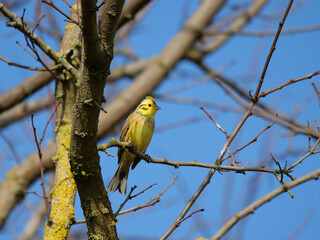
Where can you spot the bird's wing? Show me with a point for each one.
(123, 137)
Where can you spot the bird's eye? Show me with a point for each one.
(149, 105)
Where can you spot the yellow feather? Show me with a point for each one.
(137, 129)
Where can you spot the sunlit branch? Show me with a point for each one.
(151, 201)
(22, 66)
(130, 196)
(310, 152)
(221, 168)
(265, 93)
(266, 198)
(17, 23)
(217, 125)
(242, 121)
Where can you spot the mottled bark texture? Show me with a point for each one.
(64, 189)
(96, 58)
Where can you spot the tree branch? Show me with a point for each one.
(64, 190)
(266, 198)
(130, 9)
(24, 89)
(273, 47)
(206, 181)
(221, 168)
(17, 23)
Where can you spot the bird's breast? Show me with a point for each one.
(142, 132)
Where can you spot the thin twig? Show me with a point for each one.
(217, 125)
(255, 97)
(129, 197)
(250, 142)
(310, 152)
(190, 215)
(22, 27)
(75, 11)
(50, 3)
(151, 202)
(309, 138)
(35, 193)
(37, 24)
(33, 47)
(26, 50)
(263, 110)
(266, 198)
(38, 58)
(234, 162)
(41, 169)
(265, 93)
(244, 118)
(144, 190)
(45, 128)
(317, 91)
(281, 171)
(21, 66)
(125, 201)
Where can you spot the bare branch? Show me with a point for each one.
(51, 3)
(263, 94)
(130, 9)
(251, 141)
(317, 91)
(129, 197)
(281, 173)
(22, 66)
(217, 125)
(273, 47)
(22, 27)
(23, 110)
(133, 149)
(260, 108)
(41, 169)
(51, 116)
(310, 152)
(266, 198)
(190, 215)
(206, 181)
(19, 178)
(24, 89)
(151, 201)
(236, 25)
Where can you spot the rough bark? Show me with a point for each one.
(97, 55)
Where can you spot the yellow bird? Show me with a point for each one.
(137, 129)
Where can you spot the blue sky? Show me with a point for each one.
(242, 57)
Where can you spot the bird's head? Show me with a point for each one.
(148, 107)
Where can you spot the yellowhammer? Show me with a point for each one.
(137, 129)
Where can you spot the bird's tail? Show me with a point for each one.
(119, 181)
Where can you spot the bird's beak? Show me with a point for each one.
(157, 107)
